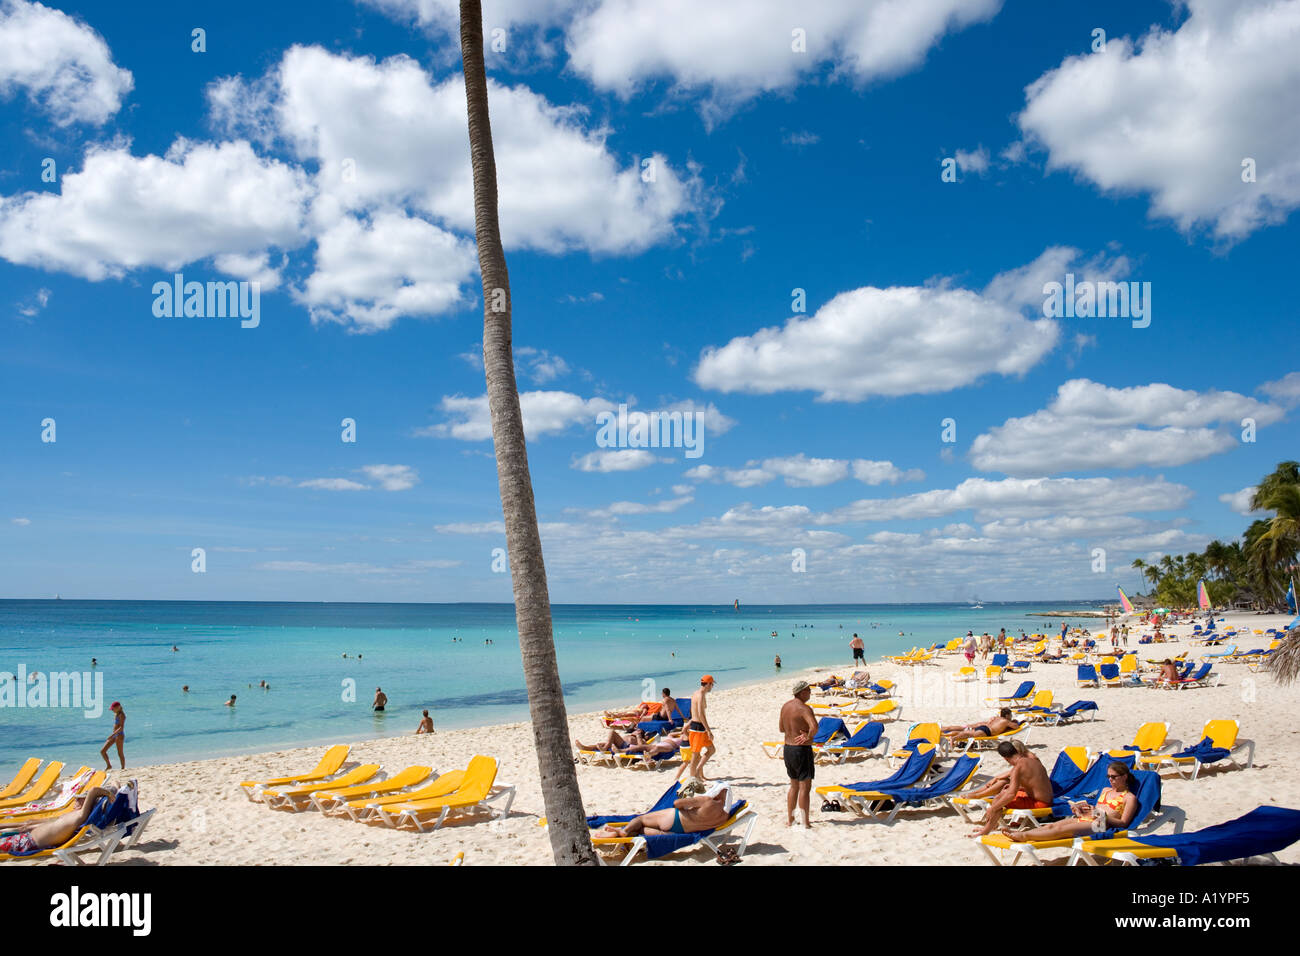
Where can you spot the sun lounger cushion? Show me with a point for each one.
(1262, 830)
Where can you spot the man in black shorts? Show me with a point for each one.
(799, 727)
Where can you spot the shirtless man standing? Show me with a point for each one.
(701, 734)
(1026, 787)
(858, 648)
(799, 725)
(689, 815)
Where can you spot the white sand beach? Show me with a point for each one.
(203, 818)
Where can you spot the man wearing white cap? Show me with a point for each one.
(799, 725)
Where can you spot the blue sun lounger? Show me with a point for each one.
(873, 805)
(656, 846)
(1069, 714)
(909, 774)
(1148, 799)
(869, 739)
(1086, 676)
(1261, 832)
(655, 727)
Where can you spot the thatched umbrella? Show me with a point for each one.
(1284, 663)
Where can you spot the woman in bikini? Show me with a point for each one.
(1116, 807)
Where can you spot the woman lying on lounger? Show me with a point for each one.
(635, 743)
(26, 838)
(992, 728)
(1116, 807)
(688, 815)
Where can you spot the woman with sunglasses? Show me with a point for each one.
(1116, 807)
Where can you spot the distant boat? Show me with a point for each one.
(57, 598)
(737, 605)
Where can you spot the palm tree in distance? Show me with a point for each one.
(570, 838)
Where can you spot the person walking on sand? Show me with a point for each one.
(118, 736)
(426, 725)
(858, 649)
(798, 724)
(700, 733)
(381, 701)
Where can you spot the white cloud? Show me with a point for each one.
(1020, 498)
(22, 522)
(122, 212)
(1239, 501)
(538, 365)
(372, 273)
(683, 489)
(470, 527)
(800, 471)
(64, 66)
(879, 472)
(31, 306)
(1022, 287)
(544, 413)
(895, 341)
(392, 477)
(975, 162)
(620, 509)
(623, 459)
(1090, 426)
(1175, 115)
(735, 50)
(1285, 390)
(332, 484)
(385, 134)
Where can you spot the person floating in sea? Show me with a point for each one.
(185, 688)
(94, 662)
(231, 702)
(118, 736)
(426, 725)
(381, 701)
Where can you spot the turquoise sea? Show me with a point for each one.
(423, 655)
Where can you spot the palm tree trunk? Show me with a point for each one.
(570, 838)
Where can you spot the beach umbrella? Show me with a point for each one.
(1285, 661)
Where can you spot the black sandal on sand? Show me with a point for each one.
(728, 857)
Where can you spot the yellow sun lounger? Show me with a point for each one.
(1222, 734)
(964, 674)
(1151, 738)
(329, 765)
(929, 732)
(38, 789)
(299, 797)
(329, 801)
(477, 793)
(885, 710)
(982, 743)
(21, 779)
(366, 808)
(83, 780)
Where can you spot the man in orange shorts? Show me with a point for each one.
(1025, 787)
(699, 731)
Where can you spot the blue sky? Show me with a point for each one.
(668, 179)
